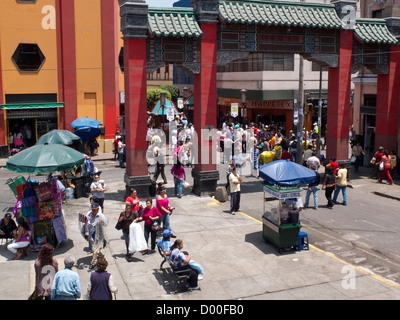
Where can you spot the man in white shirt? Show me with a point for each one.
(235, 180)
(313, 161)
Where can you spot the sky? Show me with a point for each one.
(160, 3)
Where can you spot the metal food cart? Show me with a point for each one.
(281, 223)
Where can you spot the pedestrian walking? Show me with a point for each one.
(160, 163)
(178, 171)
(386, 167)
(358, 152)
(94, 217)
(134, 200)
(151, 217)
(162, 203)
(66, 284)
(126, 218)
(46, 268)
(101, 283)
(97, 188)
(235, 179)
(313, 189)
(375, 161)
(341, 184)
(329, 185)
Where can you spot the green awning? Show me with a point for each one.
(374, 31)
(32, 106)
(280, 13)
(173, 22)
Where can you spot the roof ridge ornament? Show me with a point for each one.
(134, 18)
(206, 11)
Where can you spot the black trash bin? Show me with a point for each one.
(79, 187)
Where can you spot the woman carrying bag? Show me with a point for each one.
(125, 219)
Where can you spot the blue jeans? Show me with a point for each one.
(235, 201)
(178, 184)
(314, 191)
(165, 221)
(344, 191)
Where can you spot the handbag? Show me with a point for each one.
(373, 160)
(154, 225)
(118, 226)
(353, 159)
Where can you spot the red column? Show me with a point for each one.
(66, 62)
(110, 9)
(387, 104)
(135, 107)
(205, 97)
(338, 118)
(3, 138)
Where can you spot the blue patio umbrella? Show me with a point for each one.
(85, 122)
(158, 110)
(87, 133)
(286, 173)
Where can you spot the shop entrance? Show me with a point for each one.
(32, 123)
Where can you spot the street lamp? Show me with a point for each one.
(244, 105)
(185, 96)
(162, 101)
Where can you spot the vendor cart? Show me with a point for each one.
(282, 194)
(281, 223)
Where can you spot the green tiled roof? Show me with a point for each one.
(374, 31)
(280, 13)
(174, 22)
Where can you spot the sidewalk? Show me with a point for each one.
(238, 264)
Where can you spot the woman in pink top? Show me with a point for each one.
(386, 167)
(164, 208)
(22, 239)
(151, 216)
(178, 171)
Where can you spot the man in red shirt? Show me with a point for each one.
(333, 164)
(286, 155)
(378, 158)
(116, 153)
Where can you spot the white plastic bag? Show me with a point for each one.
(186, 184)
(381, 166)
(137, 241)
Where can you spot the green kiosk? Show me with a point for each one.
(281, 223)
(281, 201)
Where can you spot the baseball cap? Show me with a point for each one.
(94, 205)
(167, 233)
(7, 215)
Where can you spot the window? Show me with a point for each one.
(261, 62)
(315, 67)
(28, 57)
(278, 62)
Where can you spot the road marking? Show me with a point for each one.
(394, 285)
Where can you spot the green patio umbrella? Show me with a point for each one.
(45, 158)
(64, 137)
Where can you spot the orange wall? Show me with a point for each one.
(22, 23)
(89, 59)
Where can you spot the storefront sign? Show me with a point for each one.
(234, 109)
(262, 104)
(180, 103)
